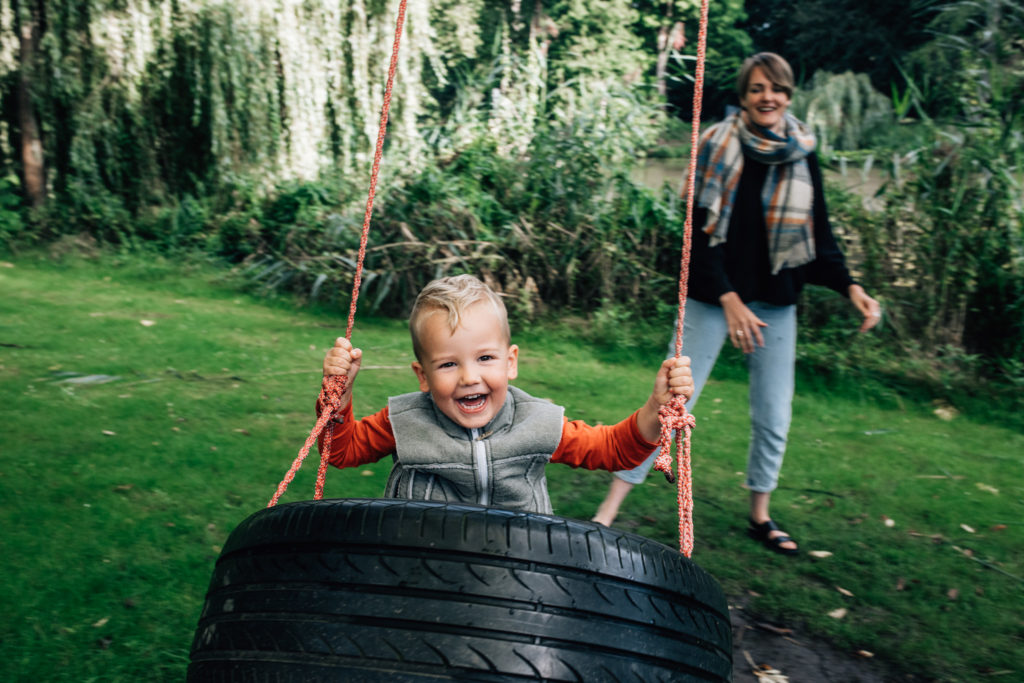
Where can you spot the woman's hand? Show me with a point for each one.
(744, 326)
(868, 307)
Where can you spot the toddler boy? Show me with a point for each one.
(467, 436)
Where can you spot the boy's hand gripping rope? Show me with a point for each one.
(334, 387)
(673, 415)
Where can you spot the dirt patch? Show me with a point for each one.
(768, 653)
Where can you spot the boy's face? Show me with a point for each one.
(466, 371)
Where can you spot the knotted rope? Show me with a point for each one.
(333, 387)
(673, 415)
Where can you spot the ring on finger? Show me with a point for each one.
(739, 333)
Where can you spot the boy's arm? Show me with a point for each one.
(358, 442)
(628, 443)
(353, 442)
(673, 379)
(602, 447)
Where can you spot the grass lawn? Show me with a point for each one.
(149, 408)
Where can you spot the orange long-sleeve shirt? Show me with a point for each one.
(604, 447)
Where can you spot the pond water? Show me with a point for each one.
(655, 172)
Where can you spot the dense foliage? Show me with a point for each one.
(246, 130)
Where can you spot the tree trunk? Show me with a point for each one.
(29, 23)
(671, 37)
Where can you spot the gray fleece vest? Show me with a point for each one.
(500, 465)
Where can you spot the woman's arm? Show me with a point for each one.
(829, 265)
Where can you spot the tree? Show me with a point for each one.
(29, 17)
(727, 46)
(863, 36)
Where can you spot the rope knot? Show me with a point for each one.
(331, 391)
(673, 417)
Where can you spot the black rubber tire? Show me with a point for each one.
(399, 590)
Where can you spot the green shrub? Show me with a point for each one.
(12, 223)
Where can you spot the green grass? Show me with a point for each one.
(116, 497)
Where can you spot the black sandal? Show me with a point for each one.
(762, 532)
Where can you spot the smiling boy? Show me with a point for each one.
(467, 435)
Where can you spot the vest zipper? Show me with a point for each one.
(482, 475)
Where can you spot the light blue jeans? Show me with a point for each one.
(771, 383)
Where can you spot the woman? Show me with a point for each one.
(761, 232)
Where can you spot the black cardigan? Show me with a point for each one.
(741, 263)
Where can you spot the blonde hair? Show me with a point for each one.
(455, 295)
(775, 67)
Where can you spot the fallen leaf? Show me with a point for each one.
(953, 593)
(843, 591)
(998, 527)
(244, 432)
(966, 528)
(107, 432)
(887, 521)
(985, 487)
(147, 323)
(101, 623)
(838, 613)
(763, 672)
(367, 473)
(945, 413)
(820, 554)
(124, 487)
(90, 379)
(901, 584)
(865, 654)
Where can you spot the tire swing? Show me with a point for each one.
(409, 591)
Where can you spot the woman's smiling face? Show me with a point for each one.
(765, 103)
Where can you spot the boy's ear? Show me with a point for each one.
(513, 362)
(421, 375)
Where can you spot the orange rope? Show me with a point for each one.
(334, 387)
(673, 415)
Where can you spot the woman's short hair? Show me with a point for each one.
(774, 67)
(454, 295)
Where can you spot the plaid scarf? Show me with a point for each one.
(787, 196)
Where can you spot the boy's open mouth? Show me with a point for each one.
(473, 403)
